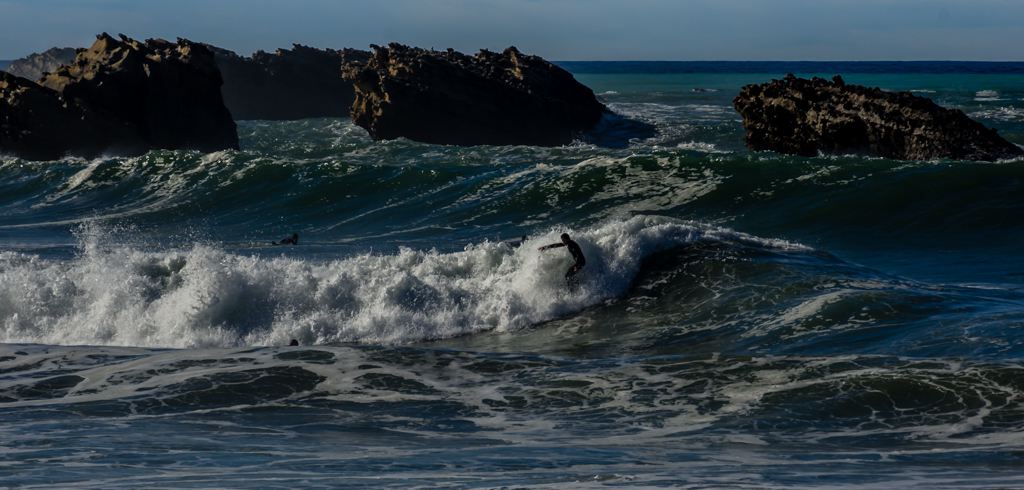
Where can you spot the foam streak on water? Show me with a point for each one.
(411, 413)
(745, 319)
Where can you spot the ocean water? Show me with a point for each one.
(745, 320)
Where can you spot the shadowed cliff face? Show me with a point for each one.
(296, 83)
(446, 97)
(37, 124)
(170, 92)
(118, 97)
(807, 117)
(35, 65)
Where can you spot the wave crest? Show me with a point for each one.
(205, 296)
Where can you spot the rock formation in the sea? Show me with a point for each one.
(446, 97)
(169, 93)
(808, 117)
(37, 124)
(35, 65)
(296, 83)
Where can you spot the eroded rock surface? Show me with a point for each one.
(35, 65)
(808, 117)
(169, 93)
(297, 83)
(446, 97)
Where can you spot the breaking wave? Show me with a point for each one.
(203, 296)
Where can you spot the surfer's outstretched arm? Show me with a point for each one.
(553, 245)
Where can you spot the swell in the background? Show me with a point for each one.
(395, 195)
(182, 258)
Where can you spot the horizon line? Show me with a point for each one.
(743, 61)
(791, 61)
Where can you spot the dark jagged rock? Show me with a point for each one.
(446, 97)
(808, 117)
(35, 65)
(299, 83)
(120, 97)
(37, 124)
(169, 93)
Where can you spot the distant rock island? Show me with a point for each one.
(447, 97)
(122, 96)
(297, 83)
(35, 65)
(808, 117)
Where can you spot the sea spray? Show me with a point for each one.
(118, 294)
(888, 356)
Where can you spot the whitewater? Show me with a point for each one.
(205, 297)
(745, 320)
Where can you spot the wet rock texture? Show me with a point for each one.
(297, 83)
(168, 93)
(808, 117)
(446, 97)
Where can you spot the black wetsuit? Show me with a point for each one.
(577, 255)
(292, 240)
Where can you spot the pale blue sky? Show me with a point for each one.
(556, 29)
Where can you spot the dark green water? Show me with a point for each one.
(744, 320)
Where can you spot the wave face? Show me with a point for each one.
(204, 296)
(744, 319)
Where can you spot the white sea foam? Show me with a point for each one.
(635, 408)
(675, 113)
(987, 96)
(204, 296)
(700, 146)
(1004, 113)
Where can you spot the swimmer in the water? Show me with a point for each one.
(292, 240)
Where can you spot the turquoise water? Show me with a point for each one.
(745, 319)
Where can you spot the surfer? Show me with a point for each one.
(292, 240)
(575, 251)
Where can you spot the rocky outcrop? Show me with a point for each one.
(808, 117)
(168, 93)
(35, 65)
(446, 97)
(118, 97)
(296, 83)
(37, 124)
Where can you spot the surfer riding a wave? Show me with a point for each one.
(577, 255)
